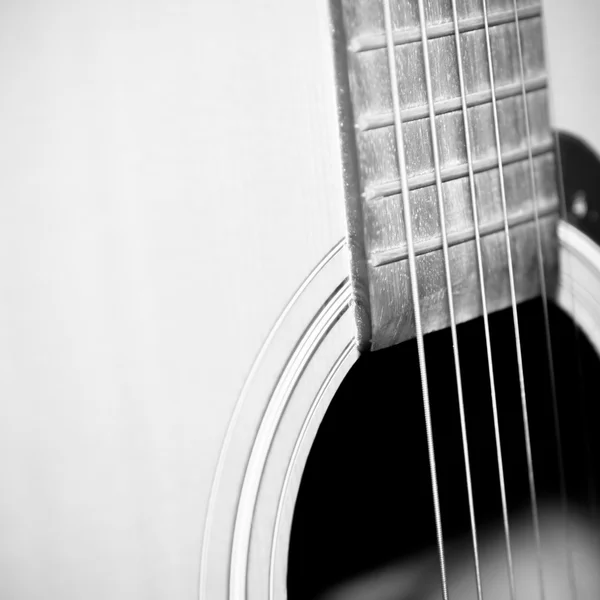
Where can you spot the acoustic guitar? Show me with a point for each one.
(293, 291)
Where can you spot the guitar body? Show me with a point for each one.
(176, 294)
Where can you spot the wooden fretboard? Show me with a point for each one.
(374, 203)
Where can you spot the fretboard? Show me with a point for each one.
(376, 221)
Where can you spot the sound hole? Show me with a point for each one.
(365, 495)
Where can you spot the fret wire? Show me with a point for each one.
(442, 214)
(369, 41)
(414, 289)
(372, 121)
(514, 305)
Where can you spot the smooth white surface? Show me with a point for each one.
(170, 175)
(573, 48)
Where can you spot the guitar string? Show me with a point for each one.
(486, 326)
(562, 198)
(562, 194)
(581, 387)
(581, 391)
(446, 255)
(414, 288)
(544, 295)
(564, 500)
(512, 295)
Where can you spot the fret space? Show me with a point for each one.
(371, 86)
(519, 89)
(365, 42)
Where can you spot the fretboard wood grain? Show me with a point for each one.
(376, 208)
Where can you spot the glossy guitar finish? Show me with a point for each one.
(172, 234)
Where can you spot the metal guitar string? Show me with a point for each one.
(513, 301)
(592, 493)
(486, 325)
(544, 294)
(562, 478)
(564, 213)
(414, 287)
(442, 215)
(562, 200)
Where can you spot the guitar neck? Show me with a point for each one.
(475, 160)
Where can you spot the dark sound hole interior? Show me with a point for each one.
(365, 496)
